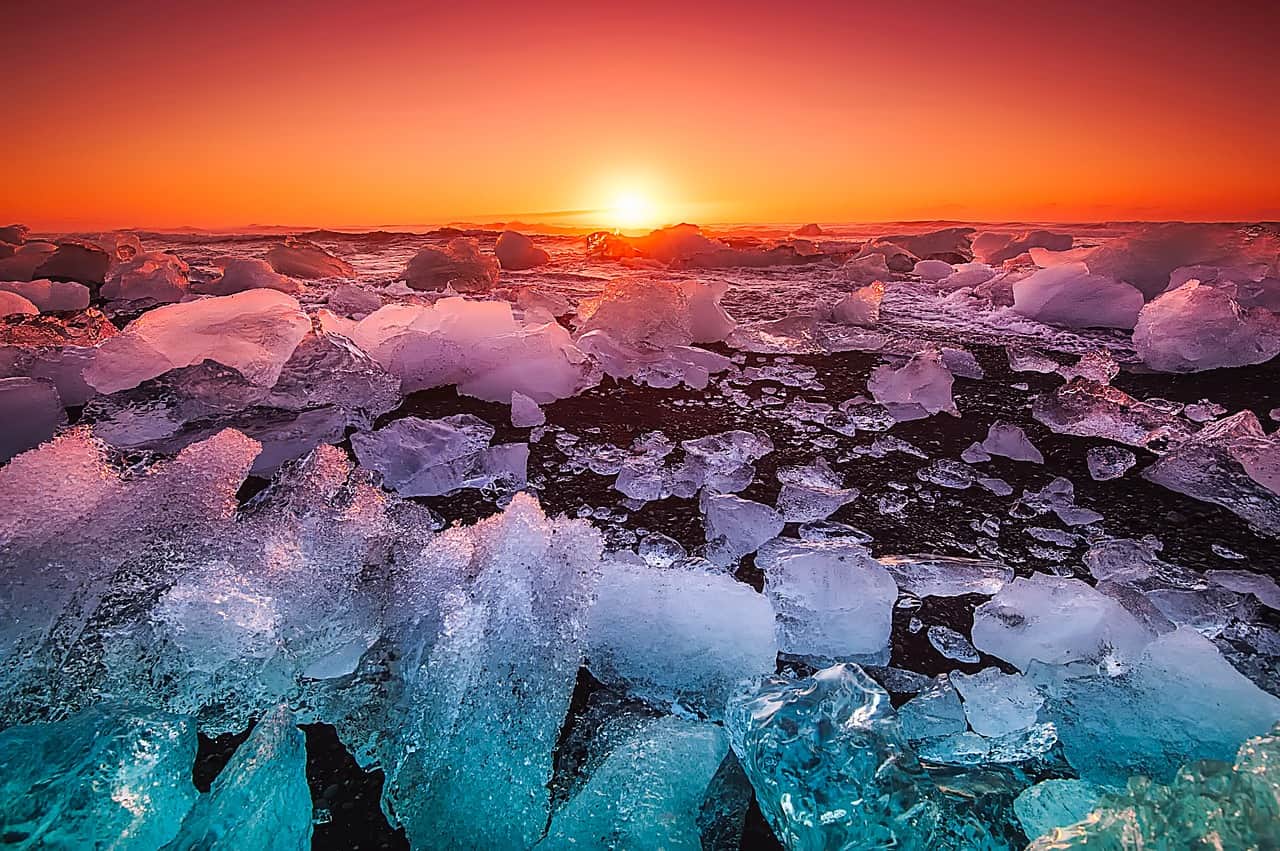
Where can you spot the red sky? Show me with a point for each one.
(328, 113)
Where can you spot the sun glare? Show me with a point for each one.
(631, 210)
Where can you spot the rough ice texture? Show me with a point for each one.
(418, 457)
(996, 248)
(253, 332)
(1069, 295)
(929, 575)
(1109, 462)
(1214, 466)
(76, 260)
(300, 258)
(1052, 804)
(860, 307)
(833, 600)
(1088, 409)
(918, 388)
(49, 295)
(481, 346)
(459, 266)
(515, 251)
(1198, 327)
(1177, 700)
(737, 526)
(812, 492)
(31, 412)
(353, 301)
(1215, 804)
(245, 273)
(679, 636)
(114, 776)
(260, 801)
(525, 412)
(997, 704)
(150, 277)
(648, 794)
(1055, 620)
(475, 754)
(1010, 441)
(656, 313)
(12, 303)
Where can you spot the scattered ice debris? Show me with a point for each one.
(678, 636)
(418, 457)
(916, 389)
(1224, 464)
(1052, 804)
(46, 296)
(649, 791)
(833, 600)
(860, 307)
(31, 412)
(525, 412)
(148, 277)
(260, 801)
(1096, 366)
(517, 252)
(1055, 620)
(736, 527)
(1198, 327)
(115, 775)
(1059, 496)
(1021, 360)
(1109, 462)
(244, 273)
(481, 346)
(667, 367)
(1088, 409)
(253, 332)
(952, 644)
(1069, 295)
(1010, 441)
(459, 266)
(301, 258)
(1203, 411)
(930, 575)
(999, 487)
(948, 474)
(12, 304)
(812, 492)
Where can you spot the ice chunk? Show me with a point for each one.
(516, 251)
(149, 277)
(952, 644)
(947, 474)
(639, 312)
(17, 234)
(31, 412)
(1052, 804)
(459, 265)
(1069, 295)
(1021, 360)
(679, 636)
(736, 526)
(953, 245)
(525, 412)
(864, 270)
(1109, 462)
(1197, 327)
(301, 258)
(75, 260)
(351, 300)
(647, 794)
(418, 457)
(1089, 409)
(1096, 366)
(25, 260)
(810, 229)
(467, 731)
(833, 600)
(242, 273)
(967, 275)
(997, 703)
(996, 248)
(812, 492)
(1055, 620)
(1211, 466)
(114, 776)
(916, 389)
(48, 295)
(12, 304)
(860, 307)
(936, 711)
(1010, 441)
(1248, 582)
(253, 332)
(479, 346)
(722, 462)
(932, 270)
(1179, 700)
(929, 575)
(260, 801)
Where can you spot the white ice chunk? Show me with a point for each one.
(1069, 295)
(152, 276)
(737, 527)
(860, 307)
(812, 492)
(241, 273)
(930, 575)
(997, 703)
(525, 412)
(1010, 441)
(459, 265)
(418, 457)
(916, 389)
(1197, 327)
(47, 296)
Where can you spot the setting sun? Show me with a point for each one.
(632, 210)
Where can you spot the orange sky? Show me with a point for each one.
(159, 114)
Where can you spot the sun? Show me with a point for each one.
(631, 210)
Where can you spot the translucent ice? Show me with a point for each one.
(31, 411)
(525, 412)
(418, 457)
(812, 492)
(737, 526)
(148, 277)
(459, 265)
(114, 776)
(49, 295)
(1089, 409)
(995, 248)
(516, 251)
(300, 258)
(253, 332)
(1051, 804)
(833, 600)
(671, 635)
(916, 389)
(1010, 441)
(243, 273)
(1069, 295)
(75, 260)
(929, 575)
(1197, 327)
(1109, 462)
(996, 703)
(860, 307)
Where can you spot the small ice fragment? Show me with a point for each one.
(1011, 441)
(916, 389)
(929, 575)
(525, 412)
(738, 526)
(997, 703)
(952, 644)
(1109, 462)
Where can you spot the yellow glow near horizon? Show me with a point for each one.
(631, 211)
